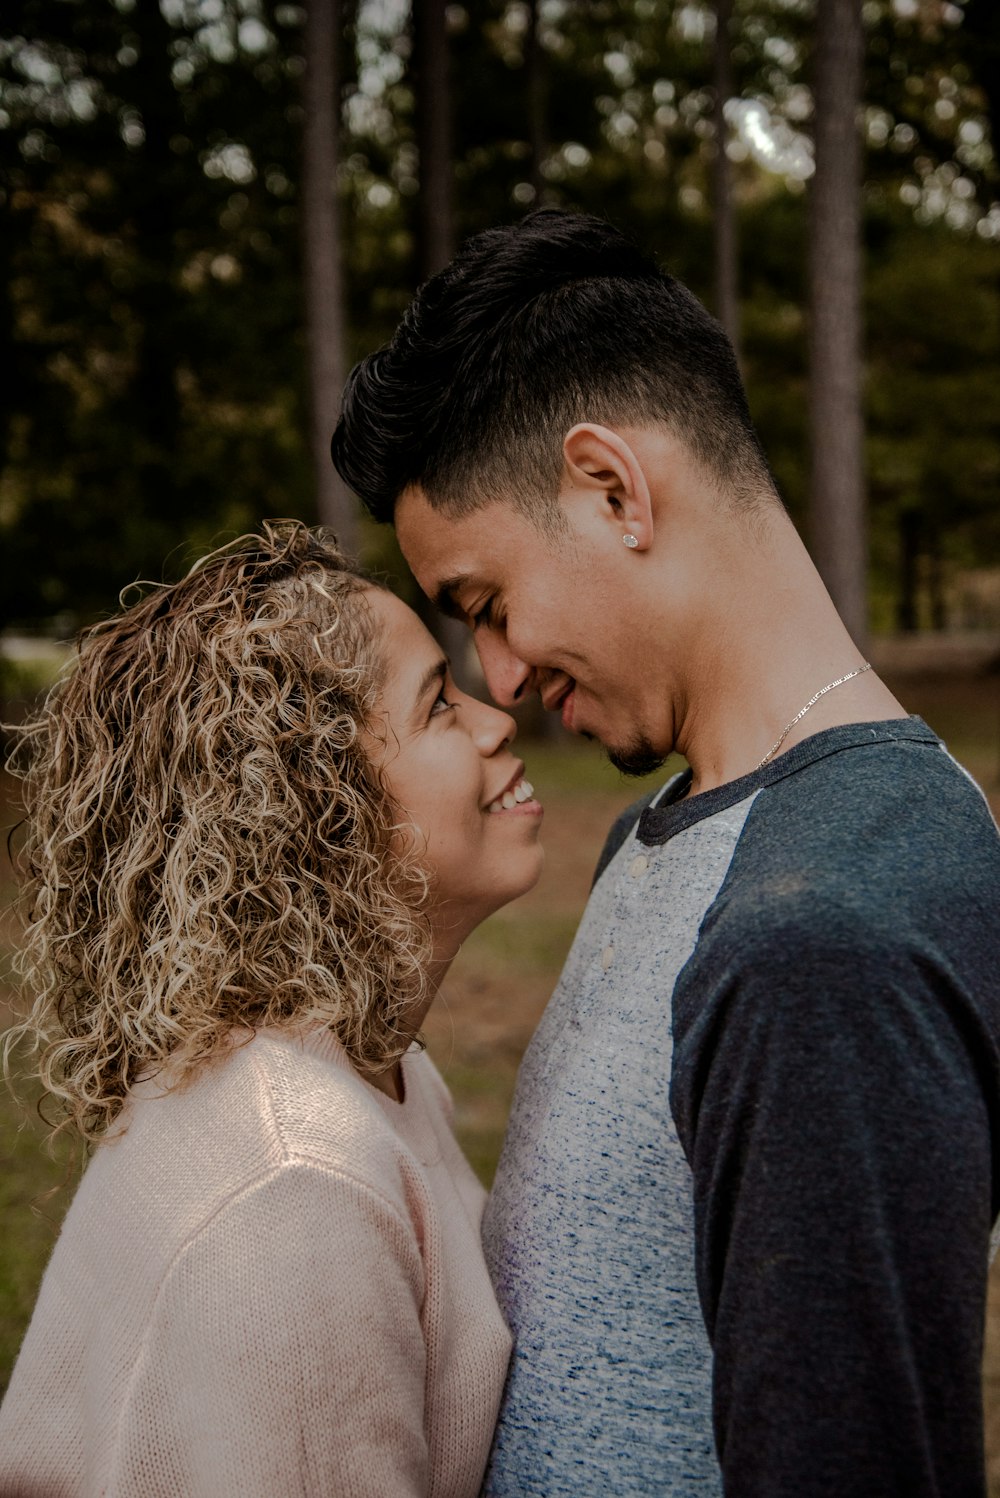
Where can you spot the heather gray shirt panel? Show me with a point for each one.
(589, 1232)
(808, 957)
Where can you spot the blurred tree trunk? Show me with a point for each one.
(727, 307)
(981, 25)
(907, 610)
(335, 505)
(156, 399)
(436, 235)
(537, 92)
(839, 522)
(435, 209)
(936, 594)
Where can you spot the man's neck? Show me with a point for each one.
(776, 645)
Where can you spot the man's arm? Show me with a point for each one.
(829, 1098)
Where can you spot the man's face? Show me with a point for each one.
(560, 614)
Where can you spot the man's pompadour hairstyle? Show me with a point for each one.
(532, 328)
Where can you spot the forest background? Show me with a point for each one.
(170, 247)
(210, 208)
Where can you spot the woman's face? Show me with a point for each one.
(446, 761)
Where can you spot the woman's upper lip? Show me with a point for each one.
(511, 783)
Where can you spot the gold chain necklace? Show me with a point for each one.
(858, 671)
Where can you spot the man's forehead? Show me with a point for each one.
(417, 522)
(445, 550)
(425, 542)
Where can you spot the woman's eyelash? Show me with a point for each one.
(441, 701)
(483, 615)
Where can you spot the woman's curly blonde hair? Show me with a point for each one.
(208, 845)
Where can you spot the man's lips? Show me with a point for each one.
(561, 699)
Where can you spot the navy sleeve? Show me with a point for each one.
(829, 1092)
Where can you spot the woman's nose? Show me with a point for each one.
(492, 728)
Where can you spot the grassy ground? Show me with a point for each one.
(494, 994)
(30, 1220)
(29, 1216)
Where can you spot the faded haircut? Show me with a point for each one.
(532, 328)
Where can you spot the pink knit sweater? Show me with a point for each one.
(272, 1284)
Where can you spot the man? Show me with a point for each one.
(740, 1225)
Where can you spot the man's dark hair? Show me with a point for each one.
(532, 328)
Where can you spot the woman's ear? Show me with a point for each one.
(601, 464)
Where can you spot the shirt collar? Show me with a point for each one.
(674, 811)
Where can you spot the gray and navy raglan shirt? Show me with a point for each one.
(740, 1228)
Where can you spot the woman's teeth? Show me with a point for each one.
(521, 792)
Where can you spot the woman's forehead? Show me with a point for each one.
(408, 649)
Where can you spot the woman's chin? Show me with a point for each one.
(525, 879)
(528, 873)
(460, 917)
(537, 871)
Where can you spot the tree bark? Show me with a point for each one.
(436, 236)
(839, 531)
(907, 607)
(436, 211)
(335, 506)
(727, 308)
(154, 300)
(936, 583)
(537, 99)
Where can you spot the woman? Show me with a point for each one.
(261, 820)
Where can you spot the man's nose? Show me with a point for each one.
(507, 676)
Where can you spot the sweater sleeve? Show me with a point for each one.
(828, 1097)
(285, 1352)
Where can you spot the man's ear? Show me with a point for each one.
(602, 464)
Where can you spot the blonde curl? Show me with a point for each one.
(208, 847)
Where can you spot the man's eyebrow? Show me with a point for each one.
(445, 599)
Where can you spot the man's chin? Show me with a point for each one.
(638, 759)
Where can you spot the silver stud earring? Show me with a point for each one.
(630, 541)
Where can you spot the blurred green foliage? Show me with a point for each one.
(152, 341)
(26, 680)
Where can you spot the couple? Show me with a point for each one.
(739, 1236)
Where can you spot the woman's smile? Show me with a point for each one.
(517, 796)
(446, 761)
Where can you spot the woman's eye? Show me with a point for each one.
(484, 615)
(441, 704)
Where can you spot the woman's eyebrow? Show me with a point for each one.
(433, 676)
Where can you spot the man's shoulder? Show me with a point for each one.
(875, 874)
(882, 821)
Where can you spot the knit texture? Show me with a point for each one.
(271, 1283)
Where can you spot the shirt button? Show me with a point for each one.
(607, 957)
(638, 866)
